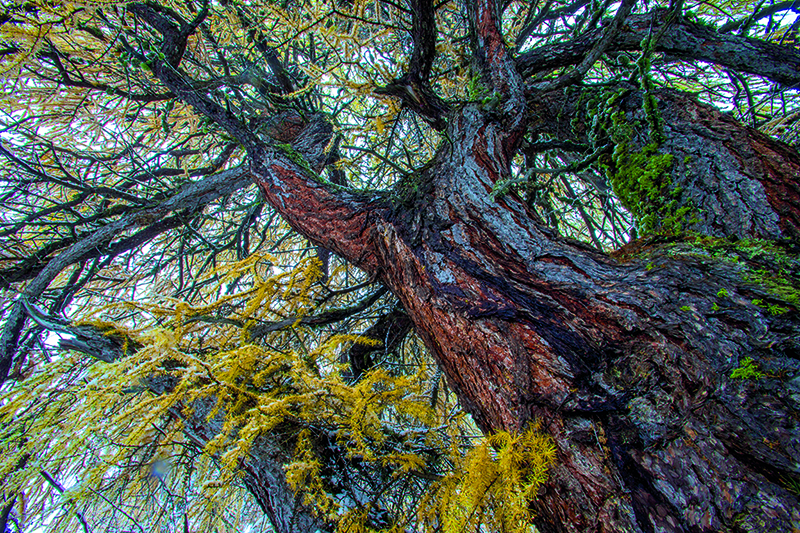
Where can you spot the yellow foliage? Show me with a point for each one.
(493, 485)
(191, 366)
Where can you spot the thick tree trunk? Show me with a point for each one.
(626, 364)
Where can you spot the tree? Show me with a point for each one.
(582, 241)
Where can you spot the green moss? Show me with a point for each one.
(747, 370)
(641, 178)
(407, 189)
(777, 284)
(773, 309)
(775, 269)
(476, 90)
(768, 265)
(300, 161)
(642, 183)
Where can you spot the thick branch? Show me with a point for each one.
(332, 217)
(424, 34)
(495, 65)
(683, 40)
(597, 50)
(390, 329)
(413, 88)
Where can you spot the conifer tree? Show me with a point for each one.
(385, 265)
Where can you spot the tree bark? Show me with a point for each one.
(683, 39)
(626, 363)
(735, 181)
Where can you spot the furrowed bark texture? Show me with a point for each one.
(627, 368)
(736, 181)
(626, 364)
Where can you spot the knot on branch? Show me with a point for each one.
(418, 96)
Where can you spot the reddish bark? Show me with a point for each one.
(653, 434)
(627, 367)
(626, 364)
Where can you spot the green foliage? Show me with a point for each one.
(747, 370)
(773, 309)
(476, 90)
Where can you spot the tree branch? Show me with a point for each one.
(682, 40)
(328, 317)
(51, 480)
(413, 88)
(768, 11)
(609, 33)
(327, 214)
(191, 198)
(494, 63)
(391, 328)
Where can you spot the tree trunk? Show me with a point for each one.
(734, 181)
(626, 363)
